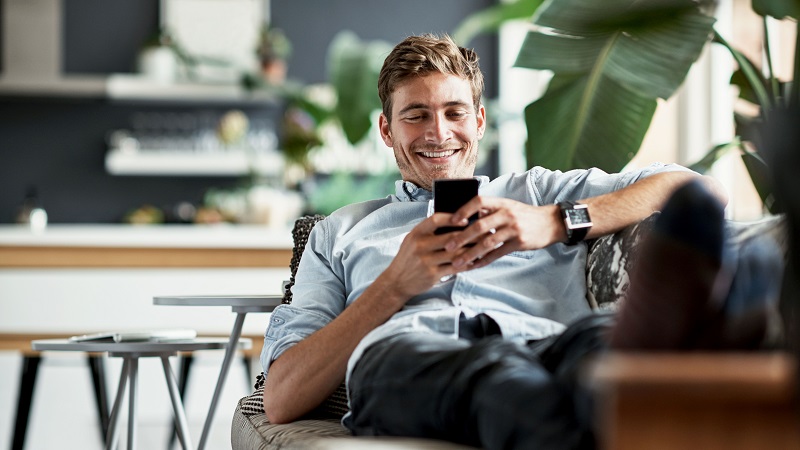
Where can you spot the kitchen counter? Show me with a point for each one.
(91, 245)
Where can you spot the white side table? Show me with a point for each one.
(131, 352)
(241, 305)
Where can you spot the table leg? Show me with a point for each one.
(98, 368)
(186, 361)
(230, 350)
(30, 366)
(134, 376)
(113, 426)
(177, 405)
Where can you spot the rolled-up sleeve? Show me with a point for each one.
(553, 186)
(318, 297)
(288, 325)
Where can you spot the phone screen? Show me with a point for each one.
(450, 194)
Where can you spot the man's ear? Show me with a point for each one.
(386, 131)
(481, 119)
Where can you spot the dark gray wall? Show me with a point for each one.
(102, 36)
(58, 145)
(311, 24)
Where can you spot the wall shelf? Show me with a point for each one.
(77, 86)
(127, 87)
(121, 87)
(233, 162)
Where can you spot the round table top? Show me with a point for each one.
(261, 302)
(187, 345)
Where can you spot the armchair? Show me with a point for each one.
(610, 258)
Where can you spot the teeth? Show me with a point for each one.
(438, 154)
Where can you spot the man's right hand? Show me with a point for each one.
(422, 260)
(307, 373)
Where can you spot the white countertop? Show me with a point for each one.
(166, 236)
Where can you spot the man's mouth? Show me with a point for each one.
(438, 154)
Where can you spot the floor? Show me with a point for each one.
(63, 414)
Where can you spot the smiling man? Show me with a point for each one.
(436, 129)
(487, 357)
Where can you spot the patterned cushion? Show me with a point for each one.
(302, 228)
(612, 257)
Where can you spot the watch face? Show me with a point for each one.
(577, 217)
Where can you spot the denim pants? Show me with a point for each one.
(479, 390)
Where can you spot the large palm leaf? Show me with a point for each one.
(612, 60)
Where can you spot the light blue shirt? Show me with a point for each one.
(530, 294)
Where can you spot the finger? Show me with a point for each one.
(489, 258)
(474, 233)
(476, 205)
(497, 243)
(430, 224)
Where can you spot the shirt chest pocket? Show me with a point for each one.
(525, 254)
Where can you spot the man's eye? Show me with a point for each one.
(414, 118)
(457, 114)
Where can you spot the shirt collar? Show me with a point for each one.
(407, 191)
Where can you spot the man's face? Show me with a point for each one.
(434, 129)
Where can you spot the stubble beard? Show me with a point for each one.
(438, 171)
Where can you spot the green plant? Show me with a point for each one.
(763, 89)
(492, 18)
(353, 68)
(611, 60)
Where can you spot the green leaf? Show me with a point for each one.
(490, 19)
(645, 47)
(353, 67)
(746, 91)
(760, 175)
(586, 122)
(754, 78)
(779, 9)
(617, 57)
(714, 155)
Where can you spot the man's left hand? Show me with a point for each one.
(504, 226)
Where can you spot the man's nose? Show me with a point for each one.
(438, 130)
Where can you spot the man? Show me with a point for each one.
(479, 343)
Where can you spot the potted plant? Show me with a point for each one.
(764, 90)
(611, 60)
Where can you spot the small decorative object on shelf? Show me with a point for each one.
(31, 211)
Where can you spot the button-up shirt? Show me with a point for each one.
(530, 294)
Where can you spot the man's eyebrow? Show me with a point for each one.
(413, 106)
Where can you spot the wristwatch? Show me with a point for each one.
(576, 221)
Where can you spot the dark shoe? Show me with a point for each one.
(677, 283)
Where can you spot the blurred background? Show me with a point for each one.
(204, 110)
(248, 113)
(183, 110)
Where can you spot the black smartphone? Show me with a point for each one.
(451, 194)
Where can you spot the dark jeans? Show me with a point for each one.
(479, 390)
